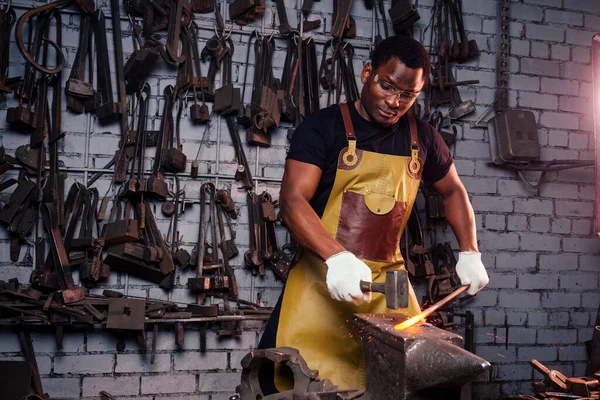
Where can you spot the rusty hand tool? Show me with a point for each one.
(552, 378)
(582, 386)
(86, 6)
(422, 315)
(7, 20)
(395, 288)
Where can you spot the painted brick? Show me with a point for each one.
(533, 206)
(479, 185)
(564, 17)
(218, 382)
(582, 5)
(497, 354)
(559, 86)
(585, 334)
(496, 241)
(561, 299)
(88, 364)
(539, 224)
(581, 54)
(534, 100)
(511, 372)
(484, 7)
(526, 12)
(581, 227)
(558, 262)
(524, 82)
(536, 66)
(551, 3)
(579, 318)
(517, 223)
(487, 168)
(61, 387)
(592, 21)
(518, 299)
(537, 281)
(582, 245)
(578, 140)
(537, 318)
(141, 363)
(575, 209)
(497, 317)
(117, 386)
(560, 52)
(519, 48)
(561, 225)
(534, 241)
(540, 353)
(495, 222)
(44, 343)
(540, 50)
(557, 336)
(518, 335)
(579, 37)
(559, 190)
(559, 318)
(200, 361)
(163, 384)
(589, 263)
(544, 32)
(485, 298)
(489, 203)
(578, 282)
(516, 261)
(572, 353)
(502, 281)
(559, 120)
(577, 71)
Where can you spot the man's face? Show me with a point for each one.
(387, 98)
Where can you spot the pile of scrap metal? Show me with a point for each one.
(555, 385)
(420, 362)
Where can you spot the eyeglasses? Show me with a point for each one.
(389, 90)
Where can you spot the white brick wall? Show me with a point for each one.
(539, 250)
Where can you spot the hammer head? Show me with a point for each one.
(396, 289)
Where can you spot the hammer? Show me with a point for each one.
(395, 288)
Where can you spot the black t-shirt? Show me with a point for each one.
(320, 138)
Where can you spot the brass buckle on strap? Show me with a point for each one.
(415, 164)
(349, 157)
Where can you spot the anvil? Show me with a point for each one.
(414, 362)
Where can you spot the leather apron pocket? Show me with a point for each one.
(369, 225)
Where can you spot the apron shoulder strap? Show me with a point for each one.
(348, 127)
(415, 164)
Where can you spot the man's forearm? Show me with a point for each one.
(461, 218)
(306, 227)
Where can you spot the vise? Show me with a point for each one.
(419, 362)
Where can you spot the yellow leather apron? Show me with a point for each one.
(370, 202)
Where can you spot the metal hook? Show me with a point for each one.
(229, 33)
(7, 6)
(21, 45)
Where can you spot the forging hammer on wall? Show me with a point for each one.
(395, 288)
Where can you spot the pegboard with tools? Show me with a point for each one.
(124, 133)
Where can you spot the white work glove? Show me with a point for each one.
(470, 270)
(344, 274)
